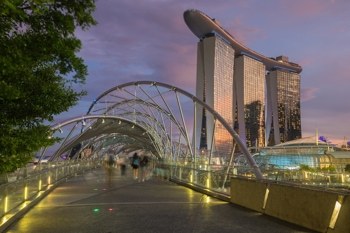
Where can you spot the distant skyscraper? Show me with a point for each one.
(283, 112)
(249, 94)
(215, 60)
(231, 79)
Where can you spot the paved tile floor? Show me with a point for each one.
(106, 202)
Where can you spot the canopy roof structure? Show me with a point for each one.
(98, 128)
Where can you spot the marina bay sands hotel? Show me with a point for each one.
(258, 95)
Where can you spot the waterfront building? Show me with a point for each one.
(249, 94)
(215, 62)
(283, 121)
(231, 79)
(307, 152)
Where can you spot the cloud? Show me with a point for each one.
(150, 41)
(306, 8)
(328, 124)
(308, 94)
(244, 33)
(138, 41)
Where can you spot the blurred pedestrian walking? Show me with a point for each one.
(135, 163)
(144, 168)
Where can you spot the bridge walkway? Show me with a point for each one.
(102, 201)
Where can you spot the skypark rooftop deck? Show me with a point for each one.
(201, 25)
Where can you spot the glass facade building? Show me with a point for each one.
(258, 95)
(249, 94)
(283, 114)
(215, 68)
(303, 152)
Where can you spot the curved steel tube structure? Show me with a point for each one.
(155, 116)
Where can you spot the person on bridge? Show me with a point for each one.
(144, 168)
(135, 163)
(122, 165)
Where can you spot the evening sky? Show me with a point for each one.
(149, 40)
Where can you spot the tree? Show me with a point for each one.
(347, 168)
(39, 69)
(304, 167)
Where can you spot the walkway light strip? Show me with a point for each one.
(25, 192)
(208, 180)
(39, 186)
(336, 211)
(266, 197)
(6, 204)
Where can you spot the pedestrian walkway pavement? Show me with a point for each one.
(102, 201)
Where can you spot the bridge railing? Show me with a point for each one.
(316, 207)
(29, 184)
(206, 179)
(216, 179)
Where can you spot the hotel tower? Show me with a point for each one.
(257, 95)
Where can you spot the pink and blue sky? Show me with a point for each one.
(149, 40)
